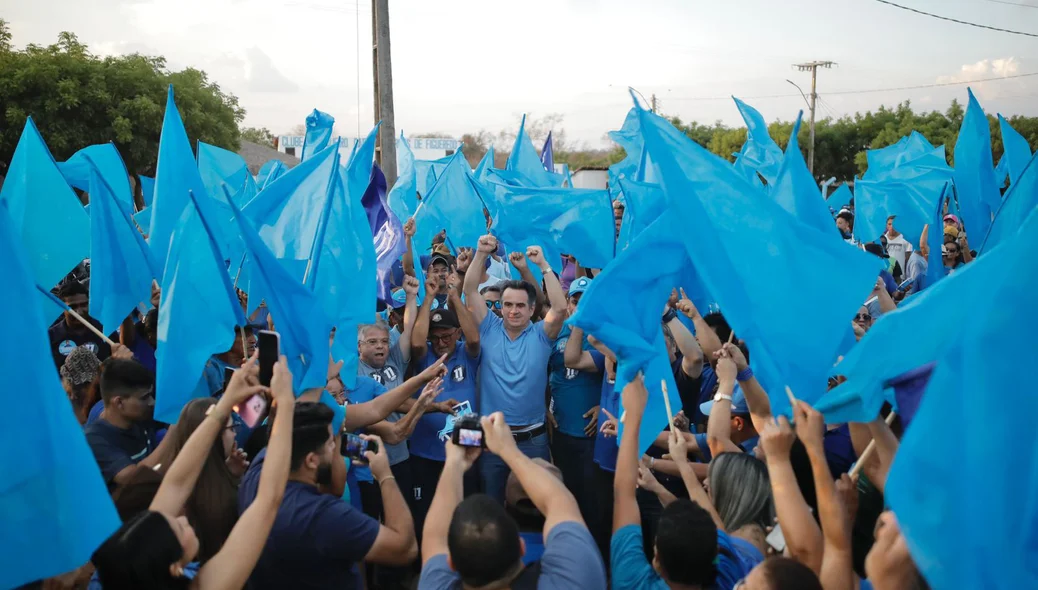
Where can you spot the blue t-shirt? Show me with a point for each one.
(390, 376)
(366, 390)
(435, 428)
(632, 571)
(839, 450)
(606, 447)
(704, 449)
(513, 373)
(316, 539)
(574, 392)
(116, 448)
(570, 560)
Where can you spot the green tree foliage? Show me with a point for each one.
(78, 99)
(261, 135)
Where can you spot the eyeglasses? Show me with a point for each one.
(863, 317)
(493, 304)
(440, 338)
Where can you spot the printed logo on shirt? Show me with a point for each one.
(378, 378)
(417, 491)
(448, 426)
(560, 346)
(390, 373)
(458, 374)
(91, 347)
(66, 347)
(571, 373)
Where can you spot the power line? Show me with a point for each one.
(865, 91)
(1011, 3)
(955, 20)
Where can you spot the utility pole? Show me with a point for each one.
(382, 69)
(813, 68)
(653, 103)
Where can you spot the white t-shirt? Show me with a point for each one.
(899, 248)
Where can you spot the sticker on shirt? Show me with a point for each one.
(560, 346)
(66, 347)
(572, 373)
(448, 426)
(91, 347)
(378, 378)
(458, 374)
(390, 373)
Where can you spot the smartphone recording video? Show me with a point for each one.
(354, 446)
(468, 431)
(253, 411)
(269, 344)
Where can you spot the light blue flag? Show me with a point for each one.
(269, 172)
(1016, 151)
(976, 382)
(456, 204)
(402, 199)
(487, 163)
(923, 318)
(760, 154)
(760, 264)
(525, 160)
(975, 183)
(568, 177)
(428, 171)
(54, 506)
(50, 305)
(912, 201)
(176, 175)
(122, 266)
(1020, 200)
(50, 220)
(795, 189)
(318, 133)
(573, 221)
(218, 166)
(143, 219)
(629, 137)
(197, 314)
(301, 322)
(419, 275)
(840, 198)
(643, 204)
(1002, 170)
(109, 164)
(147, 189)
(935, 270)
(911, 156)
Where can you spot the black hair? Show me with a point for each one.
(784, 573)
(309, 430)
(72, 288)
(720, 327)
(686, 544)
(139, 554)
(491, 289)
(124, 377)
(531, 291)
(483, 541)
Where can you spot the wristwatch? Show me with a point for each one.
(722, 396)
(670, 315)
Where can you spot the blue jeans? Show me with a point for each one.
(574, 456)
(495, 471)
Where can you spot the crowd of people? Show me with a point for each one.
(557, 495)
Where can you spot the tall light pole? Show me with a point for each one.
(813, 68)
(383, 72)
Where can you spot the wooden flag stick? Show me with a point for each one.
(666, 402)
(860, 464)
(731, 336)
(89, 326)
(792, 399)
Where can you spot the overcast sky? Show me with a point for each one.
(466, 65)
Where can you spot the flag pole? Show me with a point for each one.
(866, 455)
(666, 402)
(64, 306)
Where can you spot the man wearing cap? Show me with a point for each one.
(574, 412)
(513, 367)
(437, 333)
(395, 316)
(845, 223)
(437, 265)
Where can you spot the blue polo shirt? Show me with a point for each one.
(606, 448)
(747, 446)
(366, 390)
(435, 428)
(575, 392)
(513, 373)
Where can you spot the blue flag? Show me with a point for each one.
(269, 172)
(1019, 201)
(911, 156)
(218, 166)
(318, 133)
(47, 215)
(840, 198)
(197, 314)
(487, 163)
(548, 155)
(147, 189)
(643, 204)
(795, 189)
(109, 164)
(975, 181)
(935, 270)
(54, 505)
(402, 200)
(524, 159)
(760, 154)
(629, 138)
(143, 220)
(387, 231)
(121, 264)
(976, 382)
(455, 204)
(760, 264)
(573, 221)
(1017, 152)
(911, 201)
(908, 392)
(303, 327)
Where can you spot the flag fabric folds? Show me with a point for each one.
(486, 163)
(147, 189)
(44, 492)
(121, 264)
(428, 171)
(760, 264)
(1019, 201)
(109, 164)
(269, 172)
(643, 204)
(524, 159)
(548, 155)
(975, 183)
(402, 200)
(911, 156)
(303, 327)
(795, 189)
(911, 201)
(456, 204)
(386, 230)
(41, 205)
(197, 314)
(760, 154)
(318, 133)
(1017, 152)
(218, 166)
(840, 198)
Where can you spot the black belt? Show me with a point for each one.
(527, 435)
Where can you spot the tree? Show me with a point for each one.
(262, 136)
(78, 99)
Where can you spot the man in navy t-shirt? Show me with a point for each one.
(437, 333)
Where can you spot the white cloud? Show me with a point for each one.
(987, 69)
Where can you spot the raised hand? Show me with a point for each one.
(727, 370)
(437, 369)
(410, 285)
(429, 392)
(518, 260)
(464, 259)
(536, 256)
(810, 426)
(496, 433)
(777, 439)
(735, 353)
(678, 447)
(432, 285)
(611, 425)
(685, 306)
(409, 228)
(488, 244)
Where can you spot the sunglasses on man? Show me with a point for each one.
(863, 317)
(493, 304)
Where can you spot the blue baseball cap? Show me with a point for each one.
(739, 405)
(579, 286)
(399, 299)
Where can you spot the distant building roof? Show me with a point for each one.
(257, 155)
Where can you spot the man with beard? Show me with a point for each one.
(318, 538)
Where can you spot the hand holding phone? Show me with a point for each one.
(354, 447)
(468, 432)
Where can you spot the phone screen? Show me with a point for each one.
(353, 446)
(269, 344)
(253, 410)
(776, 539)
(470, 438)
(228, 372)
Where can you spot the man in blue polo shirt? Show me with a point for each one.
(575, 403)
(437, 333)
(513, 368)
